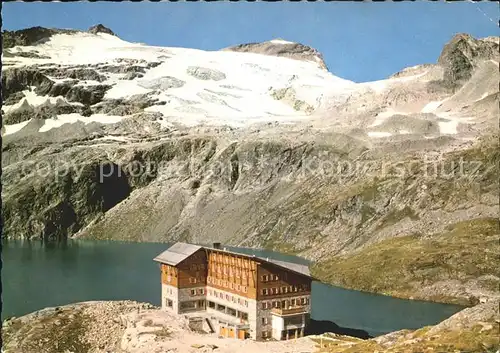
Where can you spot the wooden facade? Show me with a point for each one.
(237, 274)
(192, 272)
(246, 295)
(276, 282)
(232, 273)
(169, 275)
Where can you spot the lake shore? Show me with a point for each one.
(133, 327)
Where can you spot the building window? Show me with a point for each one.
(275, 304)
(193, 291)
(264, 305)
(227, 297)
(238, 287)
(264, 321)
(293, 302)
(202, 291)
(284, 289)
(211, 305)
(264, 334)
(246, 303)
(264, 291)
(239, 301)
(245, 289)
(264, 278)
(295, 288)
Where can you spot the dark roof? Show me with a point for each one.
(181, 251)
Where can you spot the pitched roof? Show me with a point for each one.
(181, 251)
(299, 268)
(177, 253)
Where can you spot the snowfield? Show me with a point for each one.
(200, 87)
(191, 87)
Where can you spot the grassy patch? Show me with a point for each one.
(275, 242)
(401, 266)
(475, 339)
(55, 333)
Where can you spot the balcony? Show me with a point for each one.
(295, 326)
(290, 311)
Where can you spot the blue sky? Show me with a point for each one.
(359, 41)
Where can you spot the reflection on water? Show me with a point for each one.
(37, 275)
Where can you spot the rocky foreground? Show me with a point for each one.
(123, 327)
(131, 327)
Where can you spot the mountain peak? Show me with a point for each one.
(30, 36)
(100, 28)
(461, 54)
(282, 48)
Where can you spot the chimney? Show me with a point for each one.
(216, 245)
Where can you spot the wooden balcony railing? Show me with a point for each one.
(289, 311)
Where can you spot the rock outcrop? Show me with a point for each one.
(461, 56)
(100, 28)
(15, 80)
(279, 47)
(30, 36)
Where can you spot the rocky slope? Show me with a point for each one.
(471, 330)
(280, 47)
(130, 327)
(253, 146)
(123, 327)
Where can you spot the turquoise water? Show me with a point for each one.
(35, 276)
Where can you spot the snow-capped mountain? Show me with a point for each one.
(186, 86)
(253, 145)
(95, 76)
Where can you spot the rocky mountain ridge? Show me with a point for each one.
(161, 144)
(280, 47)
